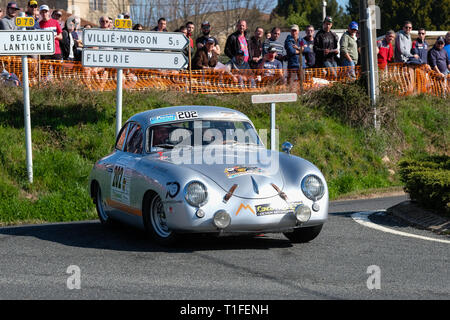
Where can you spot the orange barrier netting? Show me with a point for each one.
(397, 78)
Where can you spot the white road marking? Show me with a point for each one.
(363, 219)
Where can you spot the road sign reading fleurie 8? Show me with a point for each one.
(127, 39)
(27, 42)
(133, 59)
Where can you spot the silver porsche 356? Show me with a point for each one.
(205, 169)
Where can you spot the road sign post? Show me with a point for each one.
(22, 43)
(113, 53)
(272, 99)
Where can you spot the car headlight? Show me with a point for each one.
(195, 193)
(313, 187)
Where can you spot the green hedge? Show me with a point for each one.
(427, 180)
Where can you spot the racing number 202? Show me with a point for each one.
(186, 115)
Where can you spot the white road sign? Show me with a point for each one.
(274, 98)
(27, 42)
(134, 39)
(133, 59)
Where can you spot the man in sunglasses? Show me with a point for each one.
(33, 12)
(420, 47)
(403, 44)
(9, 20)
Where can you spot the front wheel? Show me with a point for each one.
(155, 221)
(302, 235)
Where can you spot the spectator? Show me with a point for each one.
(33, 12)
(190, 27)
(240, 67)
(57, 15)
(161, 27)
(325, 45)
(403, 45)
(385, 51)
(9, 22)
(138, 27)
(9, 79)
(268, 34)
(238, 41)
(105, 23)
(47, 23)
(87, 26)
(1, 13)
(69, 43)
(447, 43)
(273, 42)
(308, 47)
(205, 58)
(255, 47)
(126, 15)
(271, 66)
(293, 50)
(349, 48)
(420, 47)
(438, 58)
(201, 41)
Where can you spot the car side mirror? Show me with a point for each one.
(286, 147)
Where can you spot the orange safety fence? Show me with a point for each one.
(397, 78)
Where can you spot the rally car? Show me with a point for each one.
(205, 169)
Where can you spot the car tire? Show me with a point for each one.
(155, 221)
(302, 235)
(99, 206)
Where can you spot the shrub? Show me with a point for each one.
(427, 180)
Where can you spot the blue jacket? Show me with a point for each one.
(292, 55)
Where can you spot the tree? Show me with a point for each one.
(431, 15)
(313, 11)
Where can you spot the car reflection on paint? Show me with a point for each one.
(204, 169)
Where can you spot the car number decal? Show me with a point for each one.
(179, 115)
(120, 185)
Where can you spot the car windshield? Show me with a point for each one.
(201, 133)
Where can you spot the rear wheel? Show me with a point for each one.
(156, 222)
(302, 235)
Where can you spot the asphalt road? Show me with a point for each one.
(120, 263)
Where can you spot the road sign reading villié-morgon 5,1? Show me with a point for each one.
(134, 59)
(127, 39)
(27, 42)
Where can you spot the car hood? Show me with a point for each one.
(257, 174)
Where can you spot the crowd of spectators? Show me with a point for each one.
(260, 50)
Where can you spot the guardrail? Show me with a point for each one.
(397, 78)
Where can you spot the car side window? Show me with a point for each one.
(134, 139)
(121, 138)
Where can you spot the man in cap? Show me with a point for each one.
(326, 46)
(292, 44)
(271, 66)
(47, 23)
(438, 58)
(241, 68)
(201, 41)
(8, 22)
(205, 58)
(349, 48)
(33, 12)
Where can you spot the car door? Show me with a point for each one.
(123, 171)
